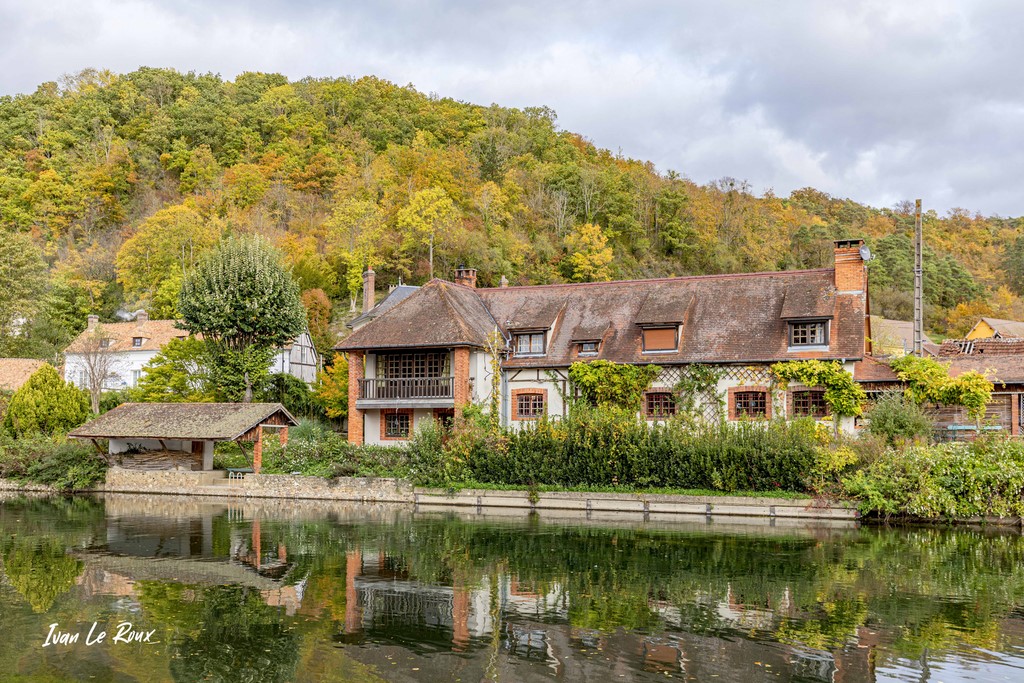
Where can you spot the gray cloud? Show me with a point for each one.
(874, 100)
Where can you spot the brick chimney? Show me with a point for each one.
(142, 317)
(369, 282)
(94, 320)
(851, 273)
(465, 276)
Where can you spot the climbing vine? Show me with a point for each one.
(928, 381)
(604, 383)
(699, 380)
(843, 395)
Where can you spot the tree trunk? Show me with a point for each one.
(248, 389)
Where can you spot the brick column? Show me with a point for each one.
(1015, 414)
(257, 452)
(355, 416)
(353, 568)
(460, 392)
(460, 616)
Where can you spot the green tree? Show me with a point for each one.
(22, 280)
(428, 219)
(244, 302)
(177, 374)
(46, 404)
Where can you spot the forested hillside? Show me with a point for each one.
(111, 186)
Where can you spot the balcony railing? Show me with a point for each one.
(409, 388)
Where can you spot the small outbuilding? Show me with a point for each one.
(182, 435)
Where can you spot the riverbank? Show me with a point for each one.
(390, 490)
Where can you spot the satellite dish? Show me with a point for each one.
(865, 253)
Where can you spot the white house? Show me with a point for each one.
(120, 351)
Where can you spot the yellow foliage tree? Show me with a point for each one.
(589, 254)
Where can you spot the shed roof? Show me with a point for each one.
(188, 421)
(1004, 328)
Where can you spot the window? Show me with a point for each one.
(750, 404)
(809, 403)
(397, 424)
(413, 365)
(530, 344)
(136, 374)
(136, 342)
(105, 343)
(808, 333)
(588, 348)
(660, 339)
(529, 406)
(659, 404)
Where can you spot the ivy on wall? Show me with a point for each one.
(928, 381)
(843, 395)
(606, 384)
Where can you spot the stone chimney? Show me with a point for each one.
(369, 282)
(504, 282)
(465, 276)
(94, 320)
(142, 317)
(851, 273)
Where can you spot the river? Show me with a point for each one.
(200, 589)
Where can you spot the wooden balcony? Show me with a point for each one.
(434, 392)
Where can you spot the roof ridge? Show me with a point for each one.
(722, 276)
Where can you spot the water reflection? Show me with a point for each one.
(277, 592)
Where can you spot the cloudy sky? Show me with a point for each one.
(878, 101)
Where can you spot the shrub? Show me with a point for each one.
(51, 461)
(982, 478)
(896, 418)
(46, 404)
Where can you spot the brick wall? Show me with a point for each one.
(461, 373)
(355, 416)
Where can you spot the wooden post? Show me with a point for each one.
(284, 436)
(257, 453)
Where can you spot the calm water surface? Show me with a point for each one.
(330, 592)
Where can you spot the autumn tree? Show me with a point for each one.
(427, 221)
(164, 247)
(332, 388)
(244, 302)
(590, 257)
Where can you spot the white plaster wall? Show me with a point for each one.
(119, 375)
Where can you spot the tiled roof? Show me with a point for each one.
(871, 369)
(15, 371)
(189, 421)
(990, 346)
(155, 335)
(723, 318)
(439, 314)
(998, 369)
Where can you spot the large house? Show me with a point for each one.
(119, 352)
(436, 349)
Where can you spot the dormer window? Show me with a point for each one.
(589, 348)
(137, 342)
(660, 339)
(808, 333)
(105, 343)
(529, 343)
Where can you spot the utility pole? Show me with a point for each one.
(918, 283)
